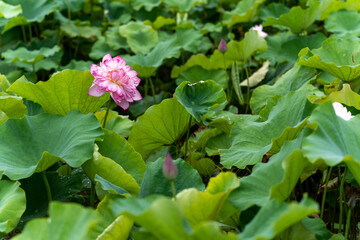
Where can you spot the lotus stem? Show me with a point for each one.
(152, 90)
(347, 223)
(146, 93)
(47, 186)
(187, 138)
(248, 90)
(341, 199)
(324, 193)
(173, 189)
(106, 114)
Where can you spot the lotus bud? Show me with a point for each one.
(222, 46)
(169, 169)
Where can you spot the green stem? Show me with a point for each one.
(68, 9)
(47, 186)
(173, 189)
(106, 114)
(248, 90)
(324, 193)
(92, 194)
(152, 90)
(30, 32)
(341, 199)
(187, 137)
(146, 93)
(23, 33)
(348, 223)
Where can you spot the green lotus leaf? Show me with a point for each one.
(78, 28)
(205, 206)
(345, 96)
(11, 106)
(9, 11)
(121, 152)
(197, 73)
(114, 39)
(274, 10)
(62, 188)
(201, 97)
(100, 48)
(183, 6)
(119, 229)
(299, 19)
(12, 205)
(335, 140)
(169, 222)
(71, 5)
(78, 65)
(13, 22)
(275, 179)
(66, 221)
(161, 21)
(148, 4)
(215, 61)
(245, 11)
(276, 216)
(251, 140)
(296, 78)
(243, 50)
(190, 39)
(336, 56)
(161, 125)
(141, 38)
(318, 227)
(221, 141)
(36, 10)
(154, 181)
(27, 145)
(29, 56)
(343, 23)
(111, 171)
(210, 230)
(147, 65)
(117, 123)
(337, 5)
(62, 93)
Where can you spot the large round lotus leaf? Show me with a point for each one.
(80, 29)
(141, 38)
(9, 11)
(276, 216)
(12, 205)
(299, 19)
(343, 23)
(245, 11)
(201, 97)
(148, 4)
(275, 179)
(274, 10)
(67, 221)
(296, 78)
(184, 5)
(197, 73)
(334, 140)
(62, 93)
(243, 50)
(279, 123)
(36, 10)
(161, 125)
(339, 57)
(35, 143)
(29, 56)
(147, 65)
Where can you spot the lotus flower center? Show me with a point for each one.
(118, 77)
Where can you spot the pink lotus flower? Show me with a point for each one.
(116, 77)
(259, 29)
(342, 111)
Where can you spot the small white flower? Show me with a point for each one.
(259, 29)
(342, 111)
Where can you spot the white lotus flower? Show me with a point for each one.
(342, 111)
(259, 29)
